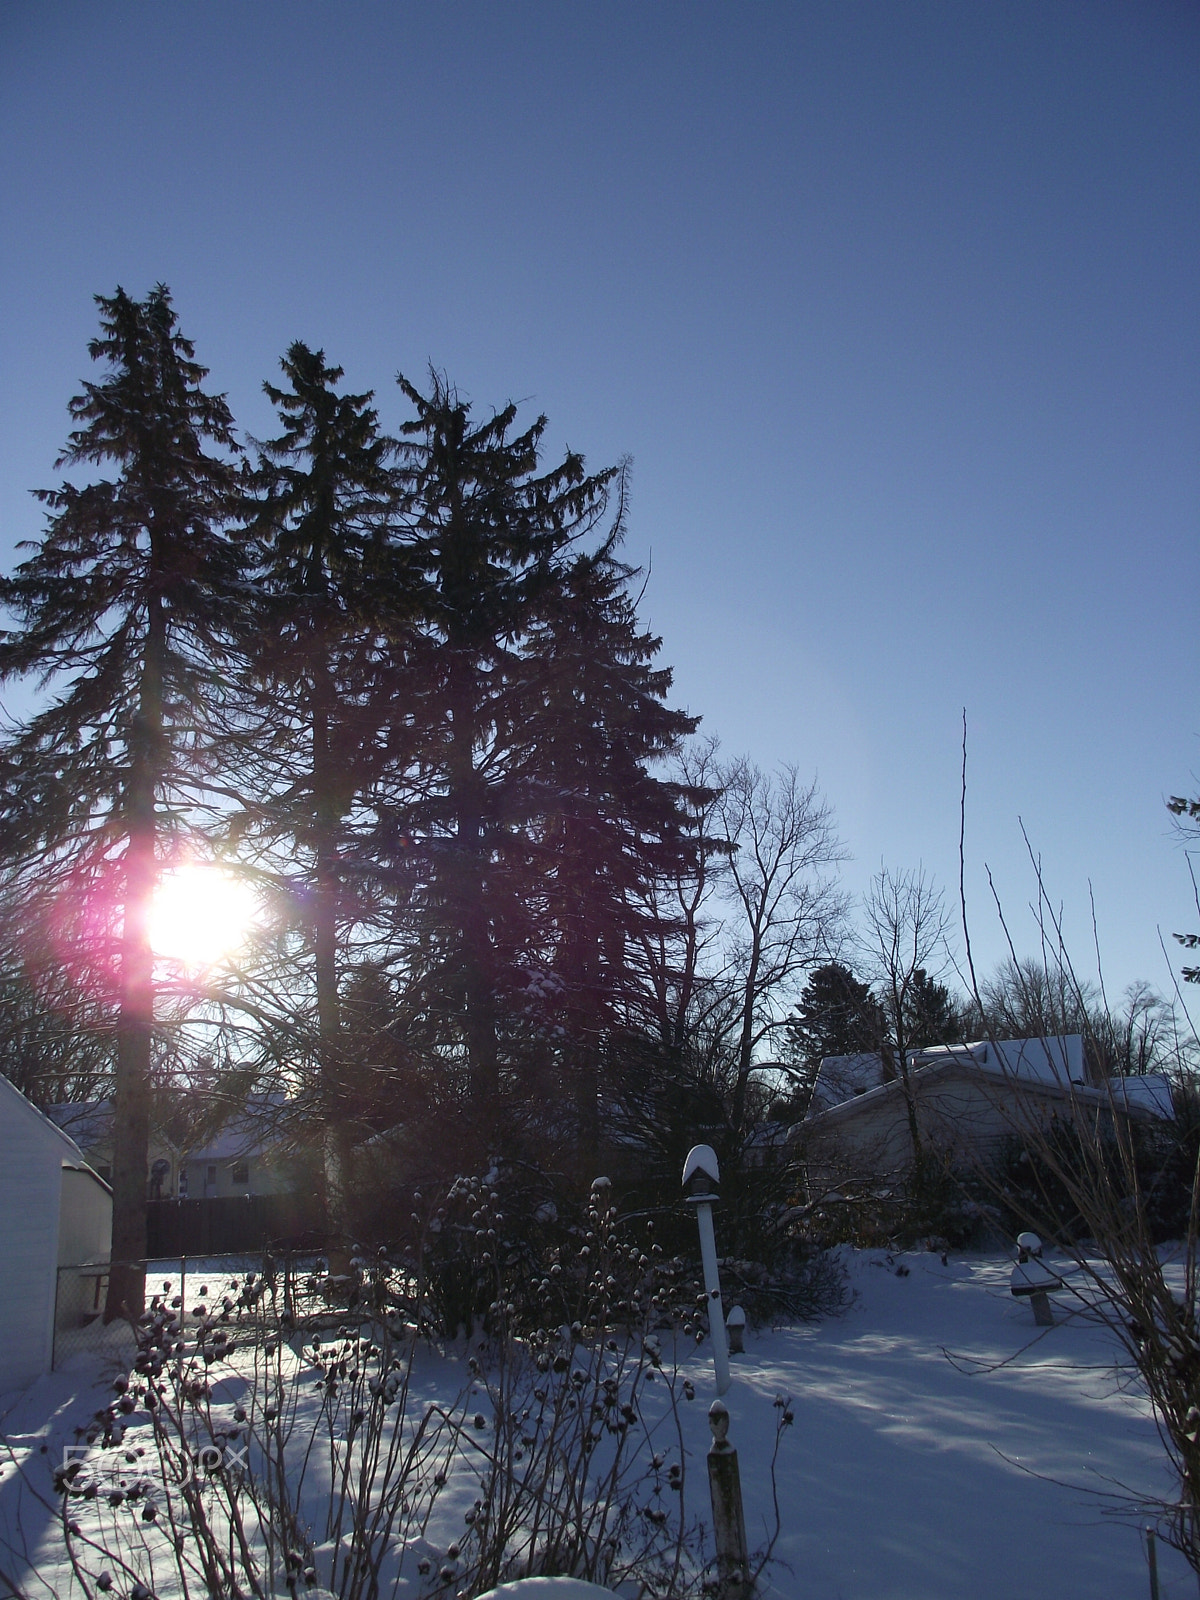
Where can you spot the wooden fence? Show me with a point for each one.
(232, 1223)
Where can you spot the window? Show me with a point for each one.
(240, 1172)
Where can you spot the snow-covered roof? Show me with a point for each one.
(1056, 1063)
(1046, 1060)
(1150, 1091)
(88, 1122)
(246, 1132)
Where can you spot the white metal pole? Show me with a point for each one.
(712, 1285)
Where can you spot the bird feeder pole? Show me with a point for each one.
(701, 1175)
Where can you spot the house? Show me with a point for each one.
(90, 1124)
(55, 1212)
(969, 1100)
(246, 1153)
(239, 1153)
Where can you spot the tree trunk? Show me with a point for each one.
(335, 1142)
(745, 1039)
(131, 1099)
(910, 1110)
(469, 911)
(585, 1030)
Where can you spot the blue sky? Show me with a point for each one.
(894, 307)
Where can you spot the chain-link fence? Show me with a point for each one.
(286, 1288)
(79, 1326)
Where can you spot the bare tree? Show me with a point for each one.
(1107, 1186)
(903, 950)
(1110, 1172)
(785, 906)
(735, 934)
(1030, 998)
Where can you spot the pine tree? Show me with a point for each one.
(932, 1016)
(125, 612)
(330, 614)
(610, 828)
(837, 1016)
(492, 534)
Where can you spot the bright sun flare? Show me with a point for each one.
(199, 914)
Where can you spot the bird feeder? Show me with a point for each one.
(1033, 1280)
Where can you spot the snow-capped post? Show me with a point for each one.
(729, 1519)
(735, 1326)
(1033, 1280)
(701, 1175)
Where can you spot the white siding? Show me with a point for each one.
(31, 1158)
(85, 1219)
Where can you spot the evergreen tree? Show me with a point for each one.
(125, 611)
(837, 1016)
(610, 828)
(492, 533)
(932, 1015)
(330, 611)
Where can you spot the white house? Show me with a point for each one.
(246, 1154)
(54, 1212)
(90, 1124)
(968, 1100)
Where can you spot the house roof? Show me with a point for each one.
(1051, 1067)
(246, 1131)
(90, 1122)
(1044, 1060)
(249, 1131)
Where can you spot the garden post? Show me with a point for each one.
(700, 1178)
(729, 1518)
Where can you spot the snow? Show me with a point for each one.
(547, 1589)
(943, 1446)
(1056, 1062)
(701, 1158)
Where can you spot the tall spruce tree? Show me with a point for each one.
(125, 612)
(330, 595)
(492, 532)
(610, 827)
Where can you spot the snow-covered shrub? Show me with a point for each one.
(582, 1470)
(266, 1441)
(265, 1462)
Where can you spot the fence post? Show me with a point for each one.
(729, 1517)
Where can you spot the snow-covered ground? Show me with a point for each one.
(943, 1448)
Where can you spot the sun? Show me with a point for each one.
(199, 914)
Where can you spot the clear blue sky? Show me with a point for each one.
(894, 306)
